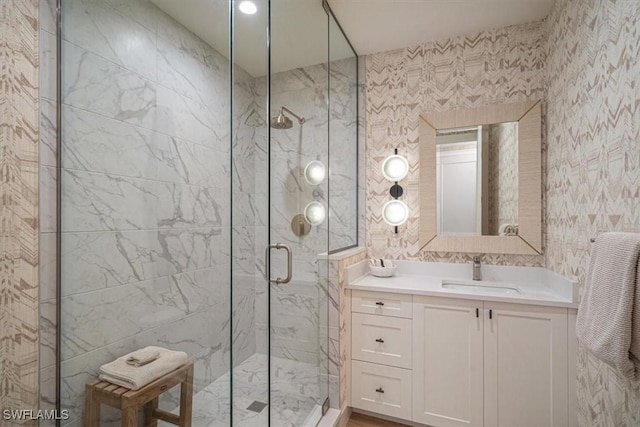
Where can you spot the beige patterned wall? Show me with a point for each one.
(497, 66)
(19, 117)
(593, 163)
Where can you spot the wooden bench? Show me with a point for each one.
(130, 401)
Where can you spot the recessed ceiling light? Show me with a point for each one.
(247, 7)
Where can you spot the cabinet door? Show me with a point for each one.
(525, 366)
(447, 362)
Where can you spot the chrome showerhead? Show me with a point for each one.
(281, 121)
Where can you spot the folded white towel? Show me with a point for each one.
(608, 322)
(142, 357)
(121, 373)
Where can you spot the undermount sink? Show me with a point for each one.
(481, 288)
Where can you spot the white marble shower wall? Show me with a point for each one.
(146, 193)
(343, 155)
(299, 310)
(295, 307)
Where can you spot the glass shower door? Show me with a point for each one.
(298, 225)
(279, 285)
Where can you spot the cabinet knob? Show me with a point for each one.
(379, 390)
(380, 340)
(379, 303)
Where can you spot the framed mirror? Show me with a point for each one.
(481, 179)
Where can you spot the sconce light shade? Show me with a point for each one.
(315, 172)
(315, 213)
(395, 212)
(395, 168)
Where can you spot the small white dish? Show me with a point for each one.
(383, 271)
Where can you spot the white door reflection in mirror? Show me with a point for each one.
(459, 192)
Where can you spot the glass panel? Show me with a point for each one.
(299, 210)
(145, 193)
(250, 203)
(343, 140)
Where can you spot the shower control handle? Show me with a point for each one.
(279, 246)
(380, 390)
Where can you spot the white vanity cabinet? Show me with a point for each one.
(472, 362)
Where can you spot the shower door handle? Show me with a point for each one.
(279, 246)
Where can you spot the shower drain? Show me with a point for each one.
(257, 406)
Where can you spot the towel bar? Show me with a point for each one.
(99, 392)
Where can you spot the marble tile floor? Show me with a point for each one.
(295, 395)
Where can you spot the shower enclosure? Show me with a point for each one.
(195, 155)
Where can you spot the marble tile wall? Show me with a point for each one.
(343, 116)
(146, 194)
(298, 307)
(593, 164)
(299, 310)
(295, 307)
(496, 66)
(19, 99)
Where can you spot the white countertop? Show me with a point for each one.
(537, 286)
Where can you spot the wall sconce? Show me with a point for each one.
(315, 172)
(315, 213)
(395, 168)
(395, 213)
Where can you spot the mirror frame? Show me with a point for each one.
(529, 240)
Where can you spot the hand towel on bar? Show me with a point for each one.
(119, 372)
(608, 322)
(143, 357)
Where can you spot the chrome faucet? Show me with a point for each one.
(477, 273)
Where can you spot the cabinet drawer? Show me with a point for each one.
(380, 339)
(382, 303)
(381, 389)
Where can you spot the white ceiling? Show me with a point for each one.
(379, 25)
(299, 27)
(298, 36)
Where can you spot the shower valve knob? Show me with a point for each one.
(380, 340)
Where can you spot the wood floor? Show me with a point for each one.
(359, 420)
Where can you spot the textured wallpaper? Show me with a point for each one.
(19, 61)
(593, 163)
(491, 67)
